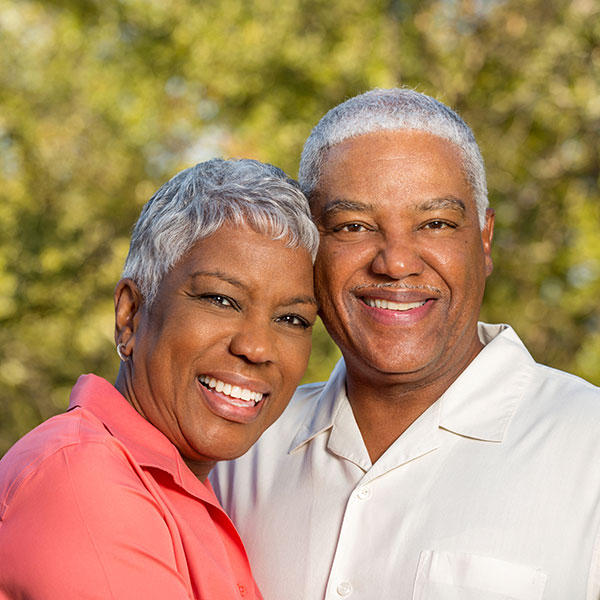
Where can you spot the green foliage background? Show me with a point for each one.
(101, 101)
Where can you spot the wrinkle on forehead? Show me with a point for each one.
(390, 158)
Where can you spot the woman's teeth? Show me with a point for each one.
(233, 391)
(378, 303)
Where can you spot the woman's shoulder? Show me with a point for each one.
(50, 451)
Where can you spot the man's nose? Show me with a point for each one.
(254, 341)
(398, 257)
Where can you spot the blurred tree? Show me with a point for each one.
(101, 102)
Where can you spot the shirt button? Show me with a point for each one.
(344, 589)
(364, 493)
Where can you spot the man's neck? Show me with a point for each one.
(384, 416)
(385, 406)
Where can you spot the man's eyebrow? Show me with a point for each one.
(451, 202)
(341, 205)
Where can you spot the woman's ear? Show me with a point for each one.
(128, 306)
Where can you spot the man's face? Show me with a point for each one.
(402, 264)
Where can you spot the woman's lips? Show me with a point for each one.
(229, 401)
(231, 390)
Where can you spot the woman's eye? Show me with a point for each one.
(219, 300)
(294, 321)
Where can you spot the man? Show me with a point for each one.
(439, 461)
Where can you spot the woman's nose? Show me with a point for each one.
(255, 343)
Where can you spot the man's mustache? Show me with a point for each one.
(396, 286)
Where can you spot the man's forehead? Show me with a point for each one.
(382, 163)
(397, 138)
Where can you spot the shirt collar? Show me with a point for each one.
(148, 446)
(478, 405)
(326, 408)
(481, 402)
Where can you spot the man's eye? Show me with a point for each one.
(351, 228)
(439, 225)
(294, 321)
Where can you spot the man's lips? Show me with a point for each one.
(394, 313)
(395, 304)
(389, 305)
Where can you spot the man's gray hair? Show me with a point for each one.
(392, 110)
(199, 200)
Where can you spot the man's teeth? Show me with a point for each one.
(233, 391)
(378, 303)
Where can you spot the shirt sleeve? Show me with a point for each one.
(85, 524)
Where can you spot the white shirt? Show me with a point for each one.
(493, 493)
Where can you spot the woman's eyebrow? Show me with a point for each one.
(300, 300)
(219, 275)
(306, 299)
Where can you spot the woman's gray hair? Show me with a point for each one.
(199, 200)
(393, 109)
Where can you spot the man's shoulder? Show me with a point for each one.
(566, 408)
(569, 380)
(564, 390)
(505, 349)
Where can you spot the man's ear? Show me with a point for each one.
(487, 233)
(128, 306)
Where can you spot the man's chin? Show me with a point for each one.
(394, 364)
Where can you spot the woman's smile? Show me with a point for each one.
(231, 401)
(233, 391)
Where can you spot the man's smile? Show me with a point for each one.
(389, 305)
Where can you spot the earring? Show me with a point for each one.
(122, 356)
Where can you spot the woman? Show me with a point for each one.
(213, 320)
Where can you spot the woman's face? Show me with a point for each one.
(216, 359)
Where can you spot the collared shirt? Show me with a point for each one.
(98, 503)
(492, 493)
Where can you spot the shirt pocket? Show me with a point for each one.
(453, 576)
